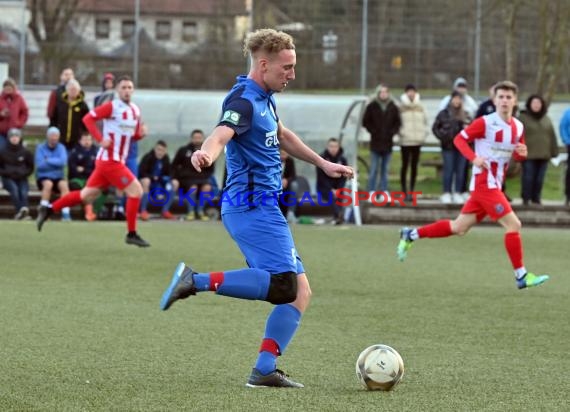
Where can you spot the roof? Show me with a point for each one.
(190, 7)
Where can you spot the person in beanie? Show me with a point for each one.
(16, 165)
(108, 90)
(50, 161)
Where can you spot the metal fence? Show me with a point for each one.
(403, 41)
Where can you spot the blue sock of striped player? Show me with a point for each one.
(281, 326)
(247, 283)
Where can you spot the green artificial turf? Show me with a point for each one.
(80, 327)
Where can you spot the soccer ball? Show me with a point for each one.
(379, 367)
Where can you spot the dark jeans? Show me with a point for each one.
(18, 190)
(411, 157)
(3, 142)
(453, 166)
(533, 172)
(384, 160)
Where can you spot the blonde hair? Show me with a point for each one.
(268, 41)
(506, 85)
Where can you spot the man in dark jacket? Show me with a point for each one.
(16, 165)
(382, 120)
(326, 185)
(81, 162)
(68, 114)
(108, 92)
(188, 179)
(448, 123)
(154, 174)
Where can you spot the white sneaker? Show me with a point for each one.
(22, 213)
(445, 198)
(383, 197)
(457, 198)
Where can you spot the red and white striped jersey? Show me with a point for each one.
(495, 140)
(121, 124)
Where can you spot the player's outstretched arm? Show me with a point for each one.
(212, 147)
(296, 148)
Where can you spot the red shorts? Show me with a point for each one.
(487, 202)
(110, 174)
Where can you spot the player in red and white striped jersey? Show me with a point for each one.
(121, 124)
(497, 137)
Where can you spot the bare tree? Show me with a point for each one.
(554, 40)
(48, 24)
(510, 9)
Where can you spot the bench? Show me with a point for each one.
(437, 164)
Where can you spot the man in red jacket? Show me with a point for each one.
(13, 110)
(497, 137)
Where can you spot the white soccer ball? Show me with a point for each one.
(379, 367)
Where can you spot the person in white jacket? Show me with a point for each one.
(413, 134)
(469, 103)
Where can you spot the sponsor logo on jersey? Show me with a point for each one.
(271, 139)
(231, 117)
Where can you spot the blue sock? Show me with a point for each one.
(248, 283)
(281, 326)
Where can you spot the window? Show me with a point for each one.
(102, 28)
(189, 31)
(127, 29)
(163, 29)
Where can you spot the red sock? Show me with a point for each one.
(216, 280)
(513, 244)
(133, 204)
(269, 345)
(441, 228)
(70, 199)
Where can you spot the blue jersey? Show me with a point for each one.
(252, 156)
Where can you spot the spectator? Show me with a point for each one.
(326, 185)
(565, 136)
(287, 177)
(50, 160)
(69, 112)
(382, 120)
(154, 173)
(487, 107)
(541, 144)
(469, 104)
(65, 76)
(13, 110)
(81, 164)
(187, 178)
(413, 134)
(447, 125)
(108, 92)
(16, 165)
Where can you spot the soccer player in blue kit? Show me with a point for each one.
(252, 133)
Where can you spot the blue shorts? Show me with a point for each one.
(264, 238)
